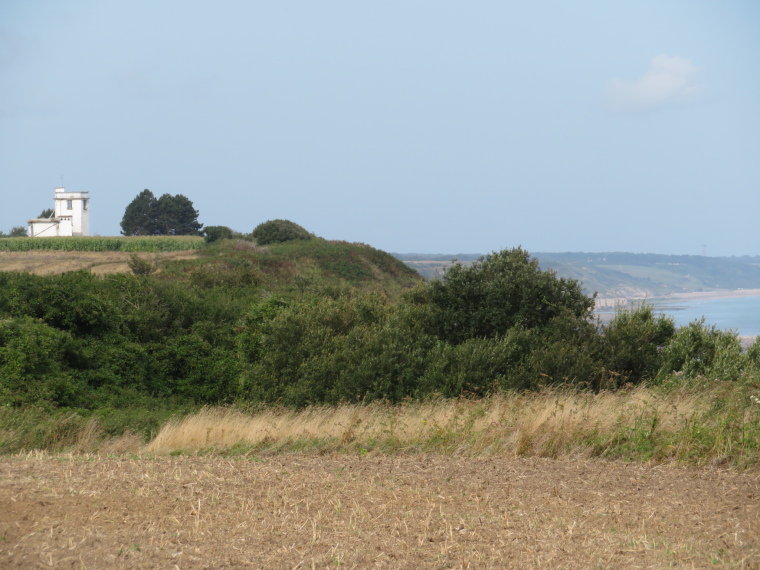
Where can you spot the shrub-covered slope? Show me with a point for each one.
(317, 322)
(295, 265)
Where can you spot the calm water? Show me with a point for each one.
(741, 314)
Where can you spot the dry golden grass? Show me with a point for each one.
(546, 424)
(54, 262)
(504, 482)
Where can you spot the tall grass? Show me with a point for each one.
(719, 424)
(131, 244)
(105, 430)
(714, 424)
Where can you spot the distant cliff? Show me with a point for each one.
(618, 274)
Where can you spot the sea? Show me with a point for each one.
(738, 314)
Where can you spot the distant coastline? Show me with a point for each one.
(606, 306)
(716, 294)
(613, 302)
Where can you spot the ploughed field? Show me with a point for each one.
(372, 511)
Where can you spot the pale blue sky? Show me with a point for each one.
(435, 126)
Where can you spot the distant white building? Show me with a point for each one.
(71, 216)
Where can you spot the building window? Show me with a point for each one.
(84, 204)
(69, 205)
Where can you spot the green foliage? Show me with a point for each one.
(138, 219)
(140, 266)
(143, 335)
(703, 350)
(18, 232)
(753, 354)
(501, 291)
(47, 213)
(330, 350)
(168, 215)
(70, 302)
(310, 322)
(475, 367)
(562, 353)
(278, 231)
(176, 216)
(136, 244)
(355, 263)
(32, 364)
(214, 233)
(634, 341)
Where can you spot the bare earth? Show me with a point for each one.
(46, 262)
(414, 511)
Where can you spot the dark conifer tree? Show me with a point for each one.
(147, 215)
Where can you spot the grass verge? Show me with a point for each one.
(695, 425)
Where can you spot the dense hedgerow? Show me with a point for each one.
(222, 329)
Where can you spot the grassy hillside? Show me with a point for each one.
(296, 264)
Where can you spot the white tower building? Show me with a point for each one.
(71, 216)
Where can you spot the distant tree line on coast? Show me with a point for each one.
(16, 231)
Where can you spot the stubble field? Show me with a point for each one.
(297, 510)
(55, 262)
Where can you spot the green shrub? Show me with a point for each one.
(33, 359)
(16, 232)
(474, 367)
(278, 231)
(326, 350)
(69, 302)
(215, 233)
(501, 291)
(753, 354)
(384, 357)
(701, 350)
(633, 343)
(140, 266)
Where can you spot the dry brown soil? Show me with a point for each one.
(46, 262)
(412, 511)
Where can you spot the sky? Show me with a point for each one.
(431, 126)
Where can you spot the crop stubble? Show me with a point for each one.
(375, 511)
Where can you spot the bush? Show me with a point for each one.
(701, 350)
(33, 358)
(499, 292)
(633, 343)
(753, 353)
(214, 233)
(278, 231)
(140, 266)
(324, 350)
